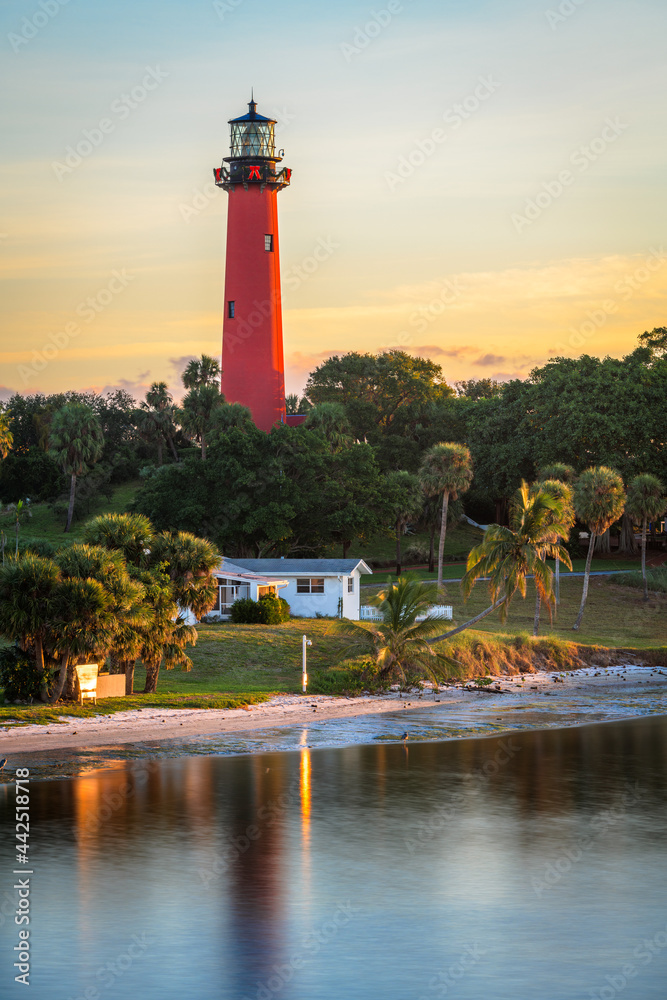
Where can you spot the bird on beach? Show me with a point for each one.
(404, 736)
(2, 763)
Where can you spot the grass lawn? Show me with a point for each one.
(454, 571)
(615, 616)
(45, 524)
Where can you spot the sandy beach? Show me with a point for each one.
(150, 724)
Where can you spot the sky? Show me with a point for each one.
(485, 181)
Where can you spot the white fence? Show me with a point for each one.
(369, 613)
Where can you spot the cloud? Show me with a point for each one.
(135, 387)
(6, 393)
(433, 350)
(488, 360)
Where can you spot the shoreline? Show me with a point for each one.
(284, 711)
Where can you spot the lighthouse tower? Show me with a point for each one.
(253, 370)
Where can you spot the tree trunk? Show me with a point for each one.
(627, 544)
(70, 509)
(644, 558)
(557, 580)
(39, 666)
(603, 543)
(129, 676)
(473, 621)
(431, 549)
(398, 550)
(443, 535)
(152, 673)
(203, 447)
(346, 546)
(60, 682)
(159, 453)
(536, 620)
(69, 692)
(16, 550)
(173, 447)
(587, 573)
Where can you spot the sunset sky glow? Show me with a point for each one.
(482, 183)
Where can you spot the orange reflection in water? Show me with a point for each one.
(305, 788)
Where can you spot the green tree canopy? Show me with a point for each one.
(375, 388)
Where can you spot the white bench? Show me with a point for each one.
(86, 675)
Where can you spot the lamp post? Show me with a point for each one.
(304, 668)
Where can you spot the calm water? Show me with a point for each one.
(531, 865)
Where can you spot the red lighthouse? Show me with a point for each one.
(253, 370)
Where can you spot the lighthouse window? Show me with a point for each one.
(231, 308)
(268, 241)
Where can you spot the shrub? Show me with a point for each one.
(245, 611)
(656, 579)
(18, 675)
(38, 546)
(274, 610)
(349, 680)
(268, 610)
(418, 552)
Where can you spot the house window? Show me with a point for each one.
(314, 585)
(268, 241)
(231, 308)
(228, 592)
(350, 584)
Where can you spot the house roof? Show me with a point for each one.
(234, 571)
(303, 567)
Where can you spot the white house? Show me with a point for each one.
(235, 583)
(330, 587)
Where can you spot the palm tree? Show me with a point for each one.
(76, 443)
(27, 588)
(189, 562)
(646, 501)
(400, 643)
(599, 499)
(331, 422)
(197, 410)
(93, 562)
(175, 571)
(559, 471)
(17, 512)
(508, 555)
(86, 623)
(446, 469)
(155, 418)
(562, 514)
(164, 639)
(6, 436)
(405, 501)
(131, 534)
(201, 371)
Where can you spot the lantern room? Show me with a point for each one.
(253, 135)
(253, 157)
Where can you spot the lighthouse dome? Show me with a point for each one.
(252, 134)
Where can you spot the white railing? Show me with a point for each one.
(369, 613)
